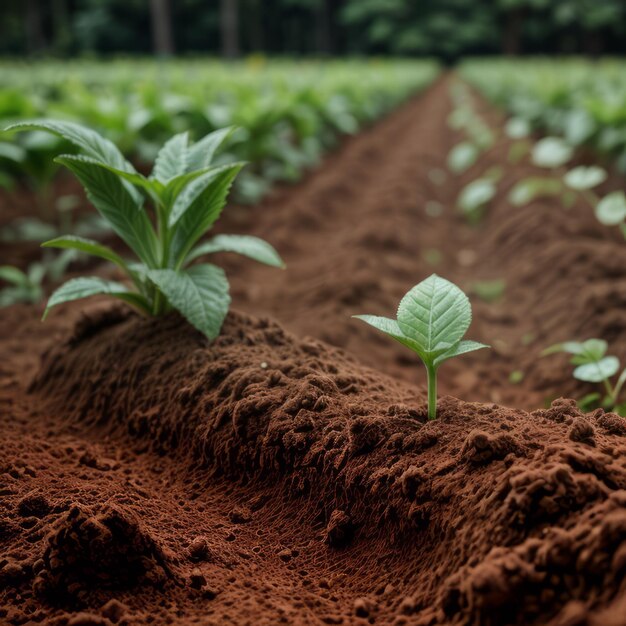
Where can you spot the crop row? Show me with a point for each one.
(288, 113)
(582, 101)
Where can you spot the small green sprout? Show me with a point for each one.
(187, 194)
(593, 365)
(432, 319)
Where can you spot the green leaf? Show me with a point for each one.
(78, 288)
(611, 210)
(172, 158)
(571, 347)
(582, 177)
(178, 184)
(89, 141)
(462, 157)
(201, 153)
(435, 314)
(199, 293)
(12, 152)
(391, 328)
(107, 193)
(551, 152)
(89, 246)
(597, 371)
(463, 347)
(476, 195)
(14, 275)
(252, 247)
(198, 209)
(528, 189)
(517, 128)
(595, 348)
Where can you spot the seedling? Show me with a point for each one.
(187, 195)
(593, 365)
(28, 286)
(432, 319)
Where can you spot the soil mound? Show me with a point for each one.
(511, 517)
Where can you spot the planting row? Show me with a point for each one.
(582, 101)
(288, 113)
(163, 218)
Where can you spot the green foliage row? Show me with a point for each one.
(581, 101)
(289, 113)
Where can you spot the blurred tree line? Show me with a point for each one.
(443, 28)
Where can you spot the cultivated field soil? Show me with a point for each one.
(285, 473)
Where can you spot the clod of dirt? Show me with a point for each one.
(339, 530)
(582, 431)
(34, 505)
(481, 447)
(98, 549)
(114, 610)
(199, 550)
(240, 515)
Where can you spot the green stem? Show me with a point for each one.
(610, 391)
(432, 391)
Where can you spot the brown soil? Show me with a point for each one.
(148, 476)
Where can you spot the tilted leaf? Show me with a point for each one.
(201, 153)
(463, 347)
(78, 288)
(528, 189)
(583, 177)
(89, 246)
(391, 328)
(199, 210)
(199, 293)
(172, 158)
(517, 128)
(476, 195)
(198, 186)
(597, 371)
(462, 157)
(14, 275)
(246, 245)
(12, 152)
(571, 347)
(611, 210)
(435, 314)
(89, 141)
(595, 348)
(178, 184)
(551, 152)
(107, 193)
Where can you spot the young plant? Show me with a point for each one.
(432, 319)
(187, 195)
(593, 365)
(28, 286)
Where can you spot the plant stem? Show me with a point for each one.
(432, 391)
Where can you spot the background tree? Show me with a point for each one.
(443, 28)
(161, 27)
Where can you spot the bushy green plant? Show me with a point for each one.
(432, 319)
(593, 365)
(187, 194)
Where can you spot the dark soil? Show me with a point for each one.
(273, 476)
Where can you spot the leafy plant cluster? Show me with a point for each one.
(593, 365)
(289, 113)
(161, 219)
